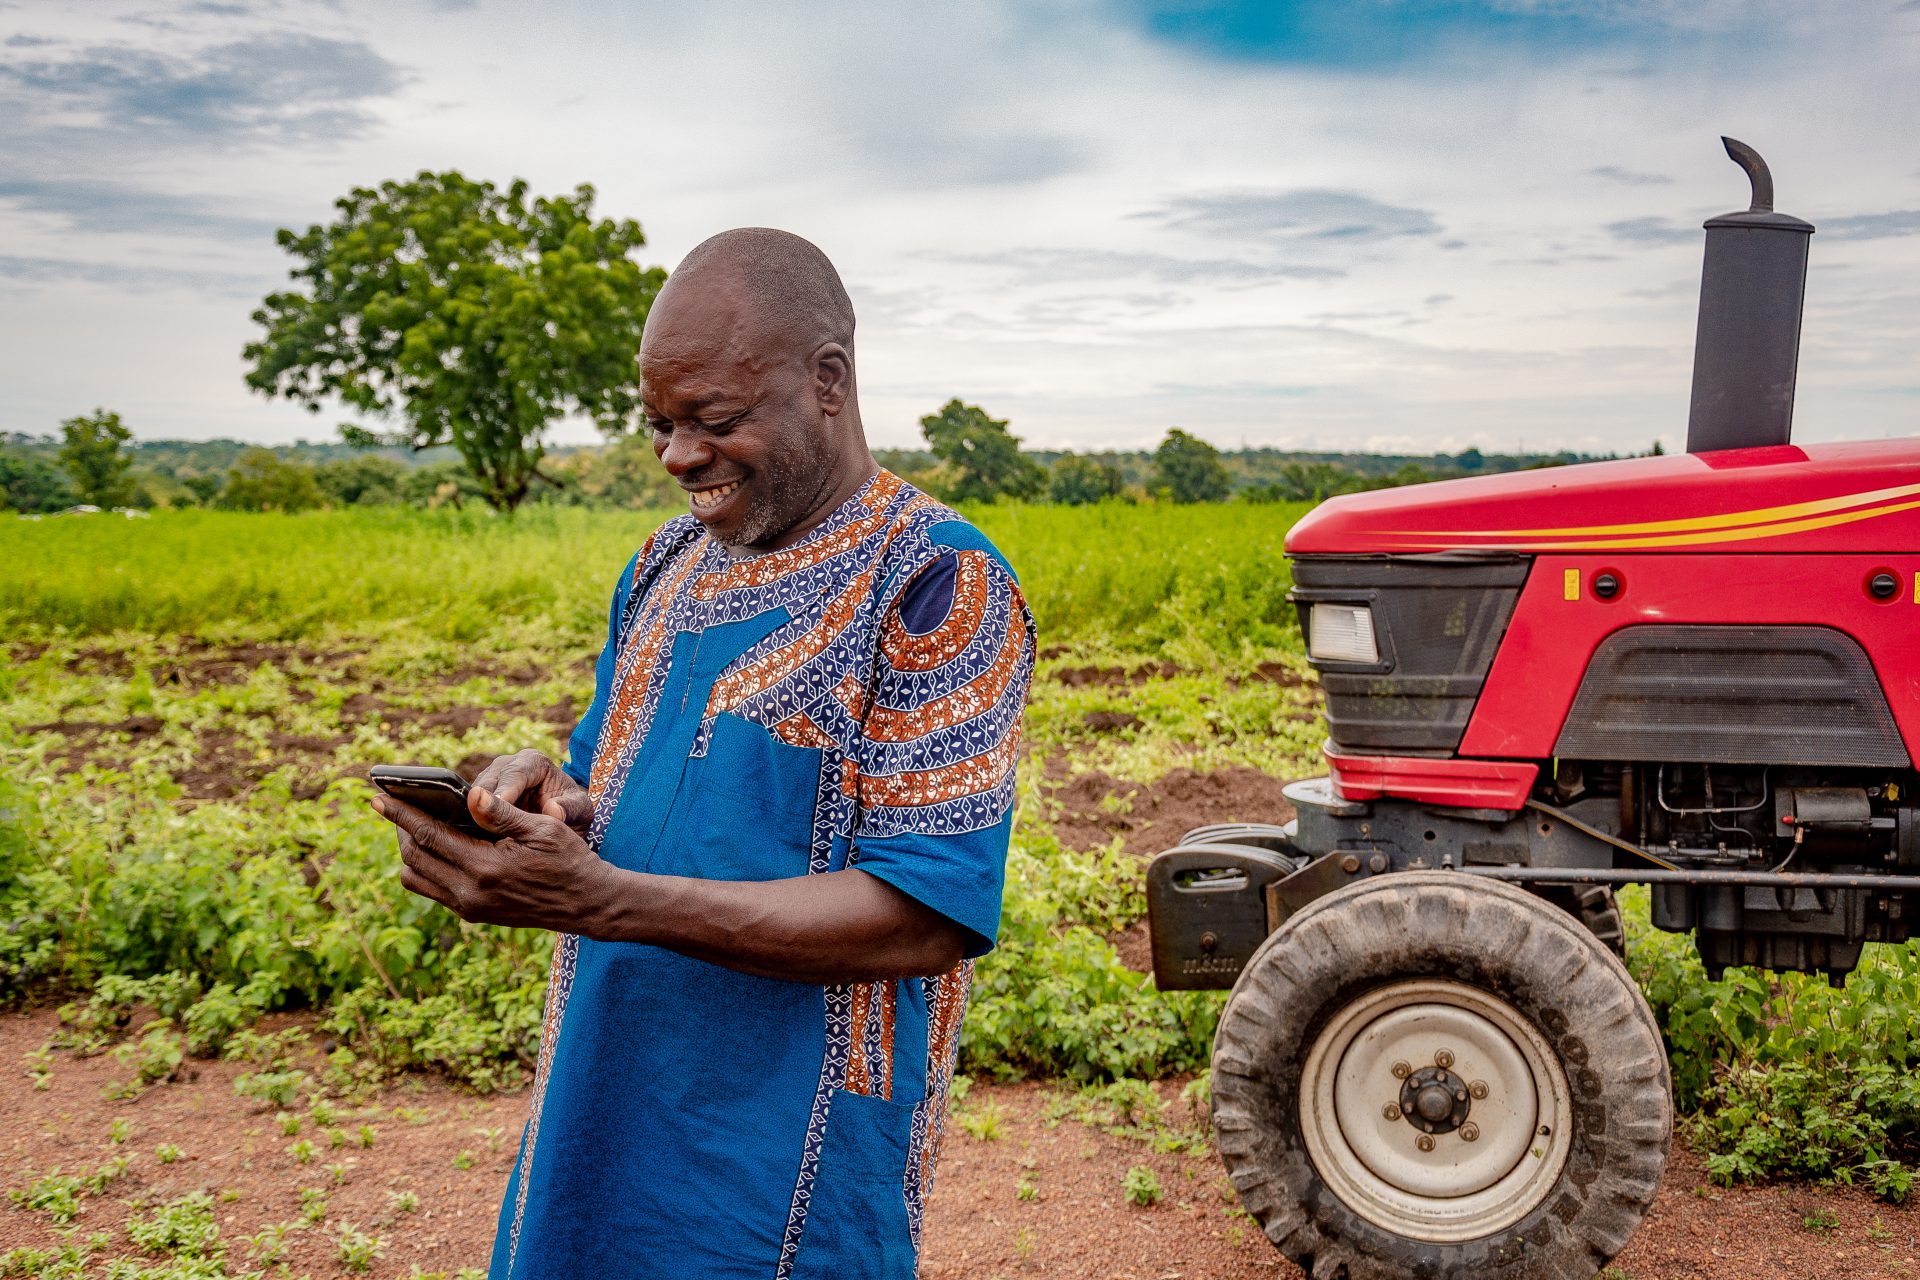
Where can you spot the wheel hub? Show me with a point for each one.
(1434, 1100)
(1394, 1140)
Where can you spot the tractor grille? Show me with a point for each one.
(1437, 618)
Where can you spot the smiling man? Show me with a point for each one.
(780, 837)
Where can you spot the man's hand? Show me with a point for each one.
(540, 874)
(536, 784)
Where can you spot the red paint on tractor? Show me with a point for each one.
(1780, 499)
(1550, 640)
(1455, 783)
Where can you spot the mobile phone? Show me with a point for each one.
(438, 793)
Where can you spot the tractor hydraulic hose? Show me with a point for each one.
(1561, 815)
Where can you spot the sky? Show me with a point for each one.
(1385, 225)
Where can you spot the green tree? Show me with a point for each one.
(260, 481)
(1190, 469)
(203, 487)
(440, 484)
(1311, 482)
(94, 454)
(1079, 479)
(30, 483)
(982, 454)
(369, 480)
(624, 474)
(470, 315)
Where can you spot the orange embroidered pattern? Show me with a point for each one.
(908, 652)
(978, 695)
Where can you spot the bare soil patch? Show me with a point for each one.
(227, 762)
(1076, 1225)
(1151, 817)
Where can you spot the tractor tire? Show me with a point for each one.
(1592, 905)
(1424, 1075)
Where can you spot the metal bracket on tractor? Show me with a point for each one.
(1694, 672)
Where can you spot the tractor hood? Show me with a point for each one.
(1858, 497)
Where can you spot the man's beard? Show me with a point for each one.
(785, 491)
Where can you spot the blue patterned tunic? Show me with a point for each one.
(853, 700)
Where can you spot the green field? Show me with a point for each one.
(188, 695)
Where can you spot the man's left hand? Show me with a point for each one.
(540, 874)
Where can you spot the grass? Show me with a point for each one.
(1186, 583)
(120, 888)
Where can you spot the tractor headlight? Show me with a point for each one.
(1342, 633)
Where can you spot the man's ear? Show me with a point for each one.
(833, 378)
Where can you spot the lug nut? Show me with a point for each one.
(1459, 1095)
(1443, 1058)
(1478, 1089)
(1424, 1142)
(1401, 1071)
(1391, 1111)
(1469, 1132)
(1349, 864)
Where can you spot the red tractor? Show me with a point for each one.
(1697, 672)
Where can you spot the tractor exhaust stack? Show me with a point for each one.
(1746, 352)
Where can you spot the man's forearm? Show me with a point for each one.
(846, 926)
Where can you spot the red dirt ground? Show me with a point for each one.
(1078, 1224)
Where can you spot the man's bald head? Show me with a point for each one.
(746, 377)
(790, 286)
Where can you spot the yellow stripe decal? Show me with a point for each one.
(1702, 539)
(1757, 516)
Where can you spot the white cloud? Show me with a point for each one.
(1095, 233)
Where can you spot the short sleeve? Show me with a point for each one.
(586, 735)
(939, 741)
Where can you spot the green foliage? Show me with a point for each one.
(1142, 1186)
(32, 483)
(1078, 479)
(1787, 1076)
(55, 1194)
(474, 316)
(260, 481)
(1053, 999)
(275, 1088)
(358, 1249)
(182, 1228)
(983, 457)
(1190, 469)
(370, 480)
(985, 1122)
(624, 474)
(93, 453)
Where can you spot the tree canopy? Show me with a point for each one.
(1081, 478)
(983, 457)
(261, 481)
(470, 315)
(1190, 469)
(93, 454)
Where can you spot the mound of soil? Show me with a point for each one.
(1151, 817)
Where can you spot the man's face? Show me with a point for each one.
(735, 417)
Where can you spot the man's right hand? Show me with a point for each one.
(530, 781)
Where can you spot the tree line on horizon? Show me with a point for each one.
(970, 457)
(469, 318)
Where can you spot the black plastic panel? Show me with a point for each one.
(1438, 620)
(1732, 695)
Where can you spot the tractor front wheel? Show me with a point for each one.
(1426, 1075)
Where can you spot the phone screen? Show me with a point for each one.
(438, 793)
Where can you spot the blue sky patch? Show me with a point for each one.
(1368, 33)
